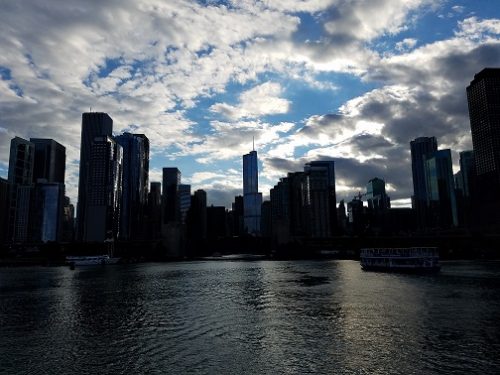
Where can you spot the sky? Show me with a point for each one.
(347, 80)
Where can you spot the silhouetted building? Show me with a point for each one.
(134, 185)
(103, 191)
(238, 212)
(356, 215)
(184, 201)
(320, 198)
(441, 189)
(50, 160)
(376, 196)
(265, 220)
(421, 148)
(68, 231)
(170, 197)
(197, 216)
(252, 199)
(483, 97)
(4, 209)
(154, 211)
(46, 217)
(465, 187)
(216, 222)
(341, 216)
(297, 197)
(21, 162)
(94, 124)
(280, 211)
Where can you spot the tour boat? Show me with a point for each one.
(412, 259)
(90, 260)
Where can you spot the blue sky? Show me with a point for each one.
(353, 81)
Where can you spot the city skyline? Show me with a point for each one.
(352, 82)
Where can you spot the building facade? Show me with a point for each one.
(21, 163)
(483, 97)
(103, 191)
(135, 185)
(94, 124)
(421, 148)
(252, 199)
(441, 199)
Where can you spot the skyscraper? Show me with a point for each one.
(197, 216)
(483, 97)
(421, 148)
(154, 211)
(321, 197)
(4, 209)
(376, 196)
(184, 201)
(440, 189)
(50, 160)
(21, 162)
(170, 196)
(252, 199)
(47, 208)
(134, 184)
(104, 184)
(94, 124)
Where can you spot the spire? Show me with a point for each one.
(253, 143)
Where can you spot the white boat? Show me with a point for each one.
(411, 259)
(91, 260)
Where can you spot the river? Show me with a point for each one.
(237, 317)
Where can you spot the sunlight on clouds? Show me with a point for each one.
(259, 101)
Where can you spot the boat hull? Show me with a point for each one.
(414, 270)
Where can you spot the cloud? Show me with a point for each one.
(406, 44)
(259, 101)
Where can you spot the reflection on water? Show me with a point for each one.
(249, 317)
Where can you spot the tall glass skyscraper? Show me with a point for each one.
(47, 207)
(440, 189)
(421, 148)
(94, 124)
(252, 199)
(21, 162)
(483, 97)
(170, 196)
(104, 184)
(135, 184)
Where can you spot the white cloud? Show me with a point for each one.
(406, 44)
(259, 101)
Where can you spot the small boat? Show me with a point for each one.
(91, 260)
(411, 259)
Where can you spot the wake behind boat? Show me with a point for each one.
(91, 260)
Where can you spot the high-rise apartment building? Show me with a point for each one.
(103, 191)
(321, 199)
(170, 195)
(421, 148)
(47, 208)
(135, 184)
(441, 199)
(21, 162)
(483, 97)
(50, 160)
(376, 196)
(252, 199)
(94, 124)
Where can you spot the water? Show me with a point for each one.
(250, 317)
